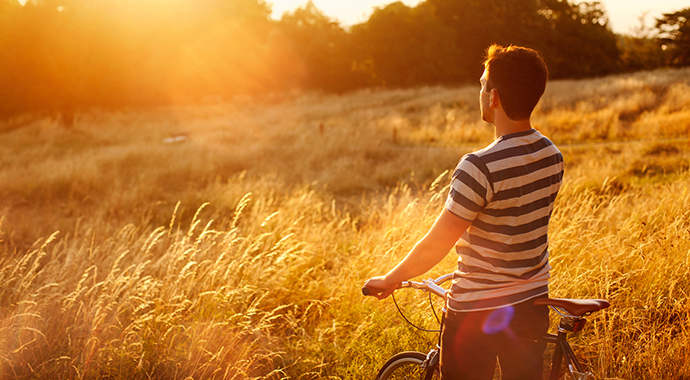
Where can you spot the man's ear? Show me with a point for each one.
(493, 98)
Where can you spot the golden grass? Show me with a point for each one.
(623, 107)
(240, 252)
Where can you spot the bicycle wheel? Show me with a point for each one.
(405, 366)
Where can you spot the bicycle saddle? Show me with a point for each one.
(576, 307)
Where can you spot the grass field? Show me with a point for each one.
(230, 240)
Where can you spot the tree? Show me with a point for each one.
(674, 34)
(322, 46)
(574, 39)
(641, 50)
(408, 47)
(577, 41)
(480, 23)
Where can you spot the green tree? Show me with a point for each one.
(322, 46)
(480, 23)
(577, 41)
(404, 46)
(574, 38)
(641, 49)
(674, 34)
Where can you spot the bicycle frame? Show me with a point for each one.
(562, 351)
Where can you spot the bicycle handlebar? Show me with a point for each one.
(430, 285)
(367, 291)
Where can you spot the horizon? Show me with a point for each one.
(624, 15)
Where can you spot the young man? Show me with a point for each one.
(497, 216)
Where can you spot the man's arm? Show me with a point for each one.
(428, 252)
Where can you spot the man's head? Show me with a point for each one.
(518, 75)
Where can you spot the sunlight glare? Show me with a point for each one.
(348, 13)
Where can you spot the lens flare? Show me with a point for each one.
(498, 320)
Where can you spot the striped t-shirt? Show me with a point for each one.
(507, 190)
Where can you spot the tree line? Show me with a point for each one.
(66, 55)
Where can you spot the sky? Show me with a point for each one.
(623, 14)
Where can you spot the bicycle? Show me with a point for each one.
(417, 365)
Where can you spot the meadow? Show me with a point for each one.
(230, 240)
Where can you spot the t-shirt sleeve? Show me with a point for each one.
(470, 188)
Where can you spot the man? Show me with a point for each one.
(496, 215)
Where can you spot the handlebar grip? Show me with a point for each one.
(369, 291)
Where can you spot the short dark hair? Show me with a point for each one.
(519, 76)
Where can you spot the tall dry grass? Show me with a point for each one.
(622, 107)
(240, 252)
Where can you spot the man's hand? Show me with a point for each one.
(429, 251)
(379, 287)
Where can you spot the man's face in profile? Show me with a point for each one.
(484, 100)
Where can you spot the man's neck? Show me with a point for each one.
(505, 126)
